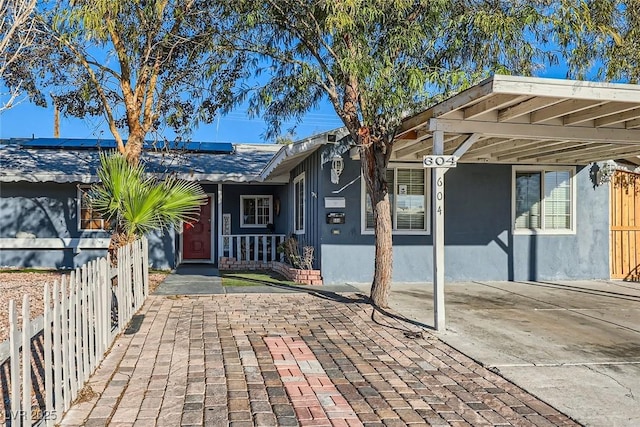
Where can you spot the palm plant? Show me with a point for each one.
(134, 203)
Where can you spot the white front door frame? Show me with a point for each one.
(212, 238)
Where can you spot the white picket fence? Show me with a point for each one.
(80, 321)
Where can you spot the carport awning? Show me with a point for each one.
(525, 120)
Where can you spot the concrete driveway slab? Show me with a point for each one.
(585, 389)
(575, 345)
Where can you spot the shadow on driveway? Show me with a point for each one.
(573, 344)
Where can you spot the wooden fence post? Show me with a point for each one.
(121, 285)
(66, 362)
(85, 324)
(57, 349)
(145, 265)
(73, 374)
(48, 380)
(106, 294)
(129, 287)
(26, 362)
(14, 348)
(134, 275)
(139, 276)
(92, 321)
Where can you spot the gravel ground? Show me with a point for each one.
(13, 285)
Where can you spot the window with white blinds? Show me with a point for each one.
(557, 200)
(543, 199)
(369, 209)
(410, 199)
(528, 200)
(407, 199)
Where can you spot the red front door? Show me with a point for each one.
(196, 237)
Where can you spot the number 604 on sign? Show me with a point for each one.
(439, 161)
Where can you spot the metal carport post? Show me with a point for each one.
(437, 210)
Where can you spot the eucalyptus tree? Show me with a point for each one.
(143, 66)
(17, 34)
(377, 61)
(601, 37)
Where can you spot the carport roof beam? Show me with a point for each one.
(543, 132)
(548, 112)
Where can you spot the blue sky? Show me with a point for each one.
(26, 120)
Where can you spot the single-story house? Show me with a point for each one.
(524, 202)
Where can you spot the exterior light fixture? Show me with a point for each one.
(337, 165)
(606, 172)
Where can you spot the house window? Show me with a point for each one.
(407, 199)
(89, 219)
(543, 200)
(256, 211)
(299, 203)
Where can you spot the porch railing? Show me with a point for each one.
(253, 247)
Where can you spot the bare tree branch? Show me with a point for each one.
(17, 27)
(99, 89)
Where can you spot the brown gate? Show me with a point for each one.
(625, 226)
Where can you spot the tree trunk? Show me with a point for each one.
(133, 149)
(381, 286)
(118, 239)
(374, 155)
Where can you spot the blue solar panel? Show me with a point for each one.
(105, 144)
(193, 147)
(60, 143)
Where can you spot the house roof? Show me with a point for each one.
(62, 165)
(530, 120)
(289, 156)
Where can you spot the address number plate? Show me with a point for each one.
(439, 161)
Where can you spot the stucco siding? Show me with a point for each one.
(162, 249)
(311, 167)
(480, 244)
(49, 211)
(584, 255)
(41, 209)
(47, 258)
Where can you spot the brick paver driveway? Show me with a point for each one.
(293, 359)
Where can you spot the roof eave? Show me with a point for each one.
(300, 150)
(47, 177)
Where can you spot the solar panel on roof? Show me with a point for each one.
(59, 143)
(191, 146)
(106, 144)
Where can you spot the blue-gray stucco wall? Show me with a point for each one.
(49, 210)
(163, 247)
(478, 238)
(312, 168)
(42, 209)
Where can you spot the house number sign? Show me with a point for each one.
(439, 195)
(439, 161)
